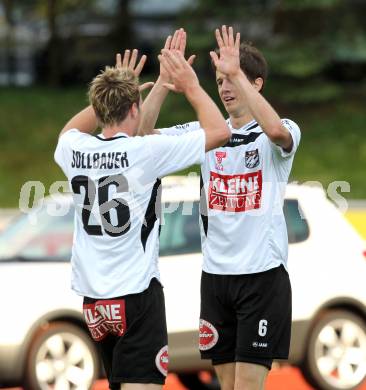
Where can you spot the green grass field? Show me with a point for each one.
(333, 145)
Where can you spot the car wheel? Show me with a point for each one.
(193, 381)
(61, 356)
(336, 354)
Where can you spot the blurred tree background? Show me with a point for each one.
(51, 49)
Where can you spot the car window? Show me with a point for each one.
(297, 226)
(180, 232)
(48, 238)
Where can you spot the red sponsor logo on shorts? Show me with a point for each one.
(162, 360)
(208, 335)
(236, 193)
(104, 317)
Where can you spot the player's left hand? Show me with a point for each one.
(228, 61)
(180, 71)
(129, 61)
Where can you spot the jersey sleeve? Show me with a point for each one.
(294, 130)
(63, 150)
(171, 154)
(181, 129)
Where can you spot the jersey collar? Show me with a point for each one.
(117, 136)
(249, 126)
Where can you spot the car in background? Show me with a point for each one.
(44, 343)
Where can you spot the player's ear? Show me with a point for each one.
(258, 84)
(134, 110)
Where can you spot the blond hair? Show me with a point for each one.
(112, 93)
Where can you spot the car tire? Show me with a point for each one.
(336, 352)
(192, 381)
(62, 356)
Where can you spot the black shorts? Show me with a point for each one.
(245, 318)
(131, 335)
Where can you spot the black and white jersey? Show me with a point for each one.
(115, 185)
(243, 228)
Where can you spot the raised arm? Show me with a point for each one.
(86, 121)
(155, 99)
(185, 80)
(228, 62)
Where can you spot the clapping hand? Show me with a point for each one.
(177, 42)
(180, 71)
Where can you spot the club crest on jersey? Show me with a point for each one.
(219, 157)
(251, 158)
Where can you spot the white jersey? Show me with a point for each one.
(115, 184)
(243, 229)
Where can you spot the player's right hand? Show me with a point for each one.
(181, 73)
(176, 42)
(228, 61)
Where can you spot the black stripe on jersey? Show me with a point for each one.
(110, 139)
(153, 212)
(203, 206)
(253, 126)
(242, 139)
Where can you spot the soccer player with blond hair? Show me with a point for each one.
(115, 181)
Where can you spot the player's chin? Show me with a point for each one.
(226, 104)
(230, 106)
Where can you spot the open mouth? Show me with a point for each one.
(228, 99)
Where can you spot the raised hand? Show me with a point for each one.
(179, 69)
(129, 61)
(177, 42)
(228, 60)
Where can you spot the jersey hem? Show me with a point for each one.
(117, 294)
(257, 271)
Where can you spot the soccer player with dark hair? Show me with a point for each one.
(245, 288)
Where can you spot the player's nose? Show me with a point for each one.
(225, 87)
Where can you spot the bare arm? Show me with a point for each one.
(155, 99)
(185, 80)
(85, 121)
(261, 110)
(151, 108)
(210, 117)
